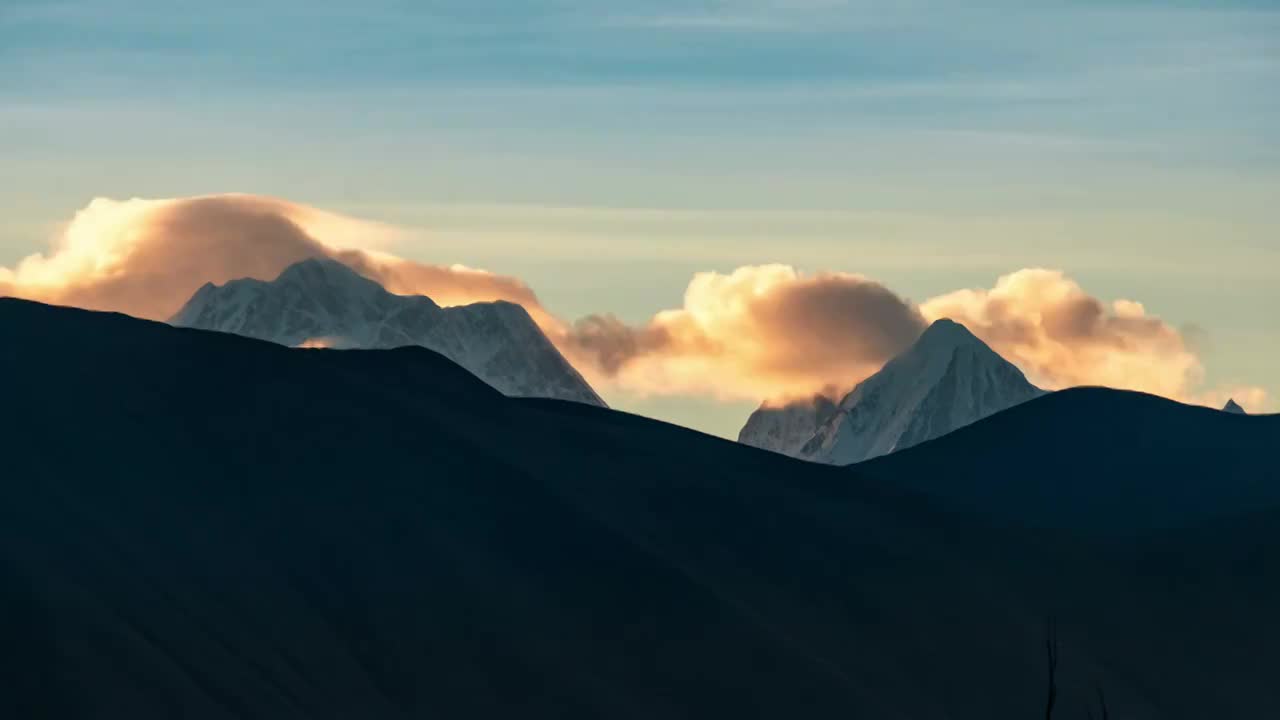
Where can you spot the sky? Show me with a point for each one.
(607, 153)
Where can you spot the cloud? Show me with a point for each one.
(771, 333)
(447, 285)
(764, 332)
(147, 257)
(1252, 399)
(1061, 336)
(758, 332)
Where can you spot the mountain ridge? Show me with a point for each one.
(785, 427)
(214, 526)
(321, 302)
(946, 379)
(1056, 439)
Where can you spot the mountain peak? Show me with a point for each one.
(322, 299)
(944, 333)
(948, 379)
(313, 266)
(1234, 408)
(322, 269)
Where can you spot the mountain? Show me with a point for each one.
(202, 525)
(321, 302)
(1097, 460)
(947, 379)
(1234, 408)
(785, 428)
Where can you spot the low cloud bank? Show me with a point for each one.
(771, 333)
(756, 333)
(1061, 336)
(763, 333)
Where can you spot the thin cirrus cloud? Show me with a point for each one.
(760, 332)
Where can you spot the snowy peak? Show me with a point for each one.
(939, 344)
(945, 333)
(1234, 408)
(322, 302)
(319, 270)
(786, 428)
(331, 274)
(947, 379)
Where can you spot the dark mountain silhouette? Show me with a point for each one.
(201, 525)
(1098, 460)
(1233, 407)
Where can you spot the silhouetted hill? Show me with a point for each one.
(200, 525)
(1099, 460)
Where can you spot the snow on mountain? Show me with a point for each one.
(1234, 408)
(323, 303)
(946, 380)
(786, 428)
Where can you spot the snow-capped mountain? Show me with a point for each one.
(321, 302)
(946, 380)
(787, 427)
(1233, 407)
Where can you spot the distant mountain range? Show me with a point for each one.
(947, 379)
(321, 302)
(200, 525)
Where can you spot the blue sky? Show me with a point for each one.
(604, 151)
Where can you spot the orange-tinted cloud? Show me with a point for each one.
(758, 332)
(147, 257)
(1252, 399)
(1061, 336)
(771, 332)
(447, 285)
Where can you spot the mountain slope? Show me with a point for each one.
(1098, 460)
(202, 525)
(785, 428)
(323, 302)
(947, 379)
(1234, 408)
